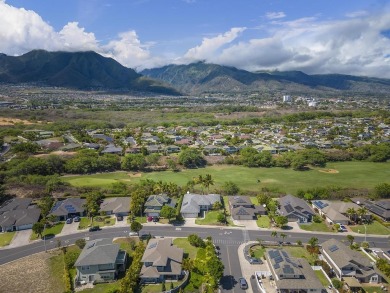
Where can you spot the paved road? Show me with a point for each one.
(227, 239)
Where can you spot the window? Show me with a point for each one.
(85, 268)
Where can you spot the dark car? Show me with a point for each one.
(119, 218)
(243, 283)
(255, 261)
(156, 219)
(76, 219)
(69, 221)
(94, 228)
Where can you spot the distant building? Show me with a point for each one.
(287, 99)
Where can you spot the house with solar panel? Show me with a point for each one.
(335, 211)
(99, 261)
(292, 274)
(380, 208)
(154, 204)
(295, 209)
(68, 208)
(347, 263)
(161, 262)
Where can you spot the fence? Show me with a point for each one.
(186, 279)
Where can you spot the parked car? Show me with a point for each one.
(155, 219)
(76, 219)
(94, 228)
(145, 236)
(243, 283)
(69, 221)
(119, 218)
(132, 233)
(255, 261)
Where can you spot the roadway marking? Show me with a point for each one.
(178, 229)
(230, 270)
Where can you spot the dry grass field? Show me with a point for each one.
(33, 274)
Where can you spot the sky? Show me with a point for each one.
(314, 36)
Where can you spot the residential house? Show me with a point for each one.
(112, 149)
(172, 149)
(118, 206)
(346, 262)
(161, 262)
(18, 214)
(99, 261)
(380, 208)
(68, 208)
(292, 275)
(242, 208)
(154, 204)
(104, 137)
(193, 204)
(295, 209)
(335, 211)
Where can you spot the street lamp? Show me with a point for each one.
(44, 236)
(365, 232)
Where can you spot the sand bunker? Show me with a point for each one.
(329, 171)
(135, 175)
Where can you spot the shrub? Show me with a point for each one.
(80, 243)
(337, 283)
(317, 219)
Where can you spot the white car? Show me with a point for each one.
(133, 233)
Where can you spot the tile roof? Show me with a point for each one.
(191, 202)
(97, 252)
(116, 204)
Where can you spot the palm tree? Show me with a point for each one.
(274, 234)
(361, 213)
(283, 235)
(207, 181)
(351, 212)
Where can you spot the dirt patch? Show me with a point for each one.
(30, 274)
(57, 153)
(269, 181)
(135, 175)
(4, 121)
(329, 171)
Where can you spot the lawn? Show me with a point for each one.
(316, 227)
(300, 252)
(103, 288)
(372, 289)
(100, 221)
(187, 247)
(127, 244)
(258, 251)
(138, 219)
(210, 218)
(374, 228)
(54, 230)
(320, 275)
(350, 174)
(157, 288)
(263, 222)
(6, 238)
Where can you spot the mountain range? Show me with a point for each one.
(89, 70)
(201, 77)
(79, 70)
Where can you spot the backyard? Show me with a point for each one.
(189, 250)
(210, 218)
(350, 174)
(6, 238)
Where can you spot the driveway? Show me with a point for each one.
(249, 224)
(122, 223)
(21, 238)
(70, 229)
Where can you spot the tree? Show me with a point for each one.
(230, 188)
(274, 234)
(351, 213)
(168, 212)
(207, 181)
(80, 243)
(281, 221)
(217, 205)
(196, 241)
(45, 204)
(221, 218)
(350, 239)
(361, 212)
(188, 264)
(136, 226)
(134, 162)
(263, 199)
(309, 197)
(283, 235)
(191, 158)
(92, 204)
(313, 242)
(337, 283)
(382, 190)
(38, 228)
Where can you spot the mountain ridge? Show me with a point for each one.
(79, 70)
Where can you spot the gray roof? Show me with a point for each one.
(343, 255)
(161, 252)
(238, 200)
(112, 149)
(339, 206)
(20, 217)
(116, 205)
(291, 273)
(191, 202)
(15, 204)
(293, 205)
(97, 252)
(68, 206)
(157, 200)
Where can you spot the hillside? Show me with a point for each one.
(202, 77)
(79, 70)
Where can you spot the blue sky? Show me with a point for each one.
(315, 36)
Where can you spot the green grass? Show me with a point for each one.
(126, 244)
(209, 219)
(258, 251)
(320, 275)
(263, 222)
(56, 229)
(350, 174)
(316, 227)
(300, 252)
(56, 264)
(6, 238)
(190, 250)
(372, 289)
(157, 288)
(85, 222)
(374, 228)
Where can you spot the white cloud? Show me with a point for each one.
(210, 46)
(275, 15)
(76, 39)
